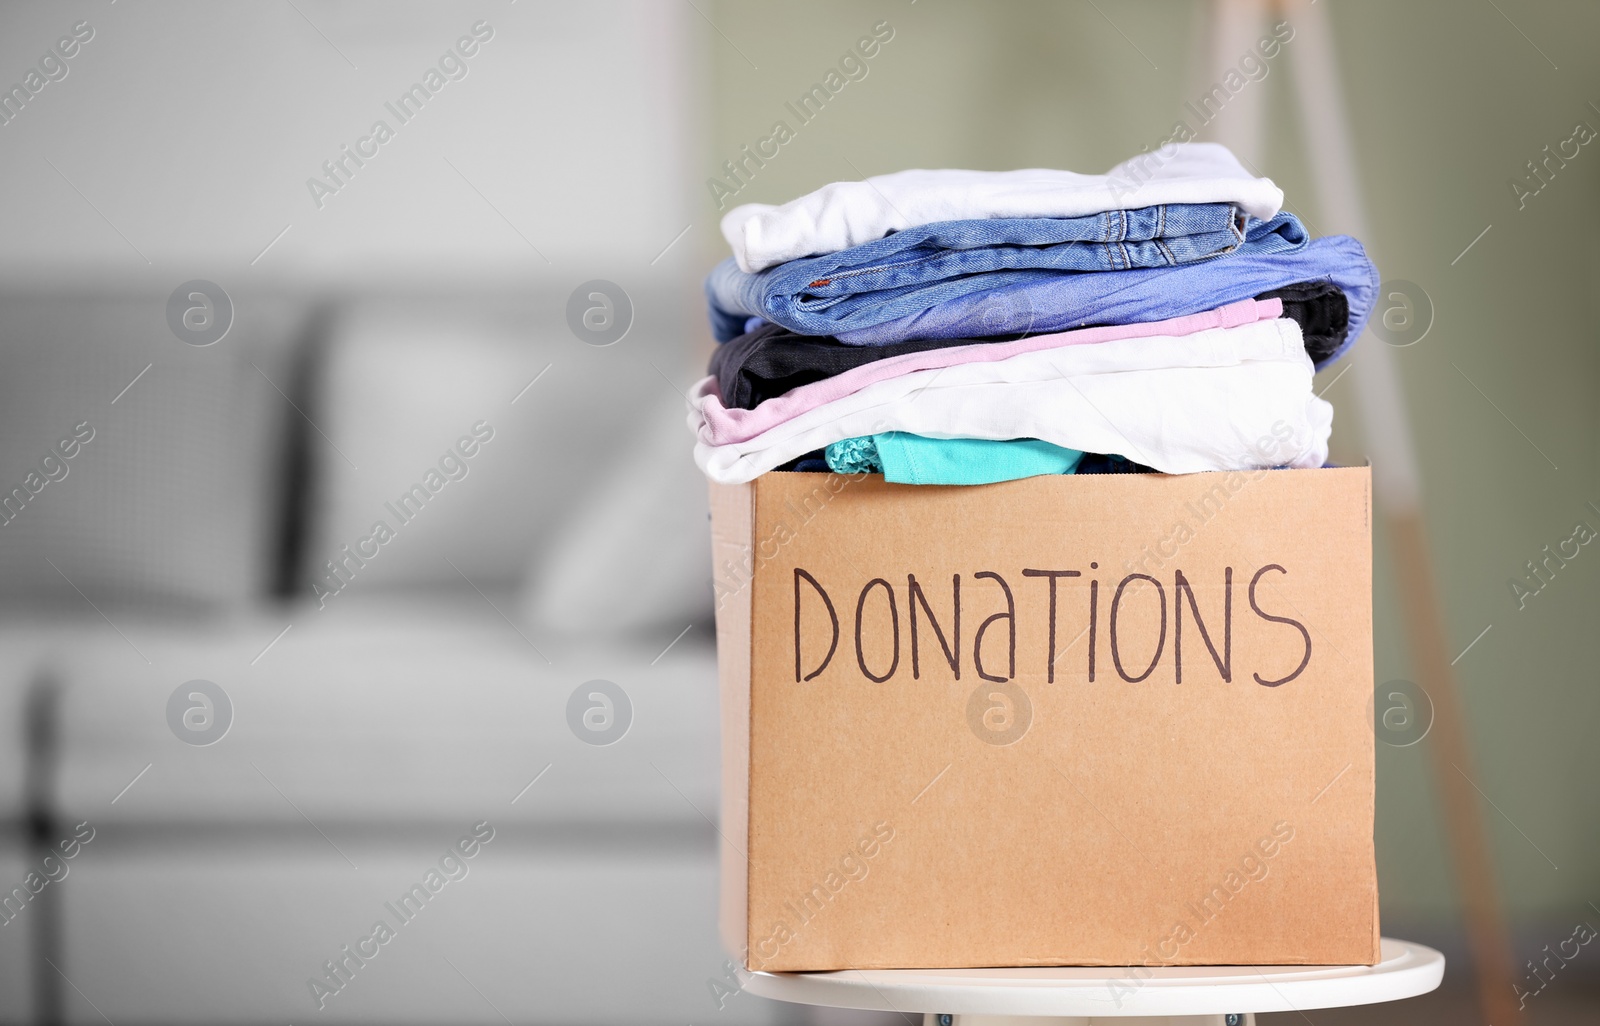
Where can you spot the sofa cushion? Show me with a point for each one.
(481, 444)
(138, 468)
(392, 710)
(533, 932)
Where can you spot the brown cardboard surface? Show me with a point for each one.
(892, 815)
(731, 513)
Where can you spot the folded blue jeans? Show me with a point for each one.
(1049, 303)
(905, 458)
(917, 268)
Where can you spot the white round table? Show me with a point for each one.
(1228, 995)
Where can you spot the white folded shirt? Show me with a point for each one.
(1222, 399)
(846, 214)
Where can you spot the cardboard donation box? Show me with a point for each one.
(1075, 720)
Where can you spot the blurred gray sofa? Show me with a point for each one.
(372, 724)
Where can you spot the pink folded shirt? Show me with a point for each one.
(723, 426)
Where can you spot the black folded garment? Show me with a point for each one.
(773, 360)
(1321, 310)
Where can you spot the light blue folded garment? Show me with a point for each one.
(917, 268)
(905, 458)
(1060, 302)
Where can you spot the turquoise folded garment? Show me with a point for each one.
(904, 458)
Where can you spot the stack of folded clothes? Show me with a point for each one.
(967, 327)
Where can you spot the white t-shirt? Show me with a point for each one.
(846, 214)
(1235, 398)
